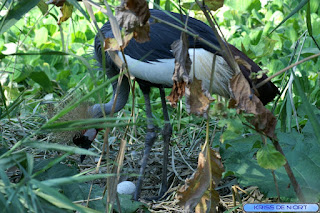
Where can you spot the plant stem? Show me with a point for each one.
(291, 176)
(285, 69)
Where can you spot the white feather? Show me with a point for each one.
(161, 72)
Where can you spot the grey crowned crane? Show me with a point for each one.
(152, 64)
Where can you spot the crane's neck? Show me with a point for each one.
(123, 94)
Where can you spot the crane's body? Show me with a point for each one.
(152, 63)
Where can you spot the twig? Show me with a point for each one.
(276, 184)
(287, 167)
(226, 53)
(285, 69)
(291, 176)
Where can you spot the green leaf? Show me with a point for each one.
(41, 36)
(244, 5)
(294, 11)
(127, 204)
(16, 14)
(269, 158)
(234, 129)
(53, 196)
(42, 79)
(43, 6)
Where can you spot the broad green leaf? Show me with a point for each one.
(16, 13)
(234, 129)
(41, 36)
(127, 204)
(269, 158)
(42, 79)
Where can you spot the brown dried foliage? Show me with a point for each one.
(112, 44)
(197, 98)
(181, 69)
(245, 100)
(133, 16)
(197, 192)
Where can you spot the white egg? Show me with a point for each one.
(126, 187)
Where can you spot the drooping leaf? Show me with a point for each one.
(197, 98)
(41, 78)
(195, 189)
(248, 102)
(112, 44)
(181, 69)
(132, 16)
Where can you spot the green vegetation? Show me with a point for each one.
(42, 63)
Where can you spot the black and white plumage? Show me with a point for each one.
(152, 63)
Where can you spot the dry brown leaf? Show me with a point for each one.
(181, 69)
(112, 44)
(141, 33)
(197, 98)
(177, 91)
(241, 61)
(248, 102)
(196, 188)
(133, 16)
(140, 8)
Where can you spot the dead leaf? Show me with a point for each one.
(140, 8)
(197, 98)
(181, 69)
(177, 91)
(133, 16)
(66, 11)
(141, 33)
(246, 101)
(112, 44)
(196, 188)
(241, 61)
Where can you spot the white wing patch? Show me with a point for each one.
(161, 72)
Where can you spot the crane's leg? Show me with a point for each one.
(149, 141)
(166, 134)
